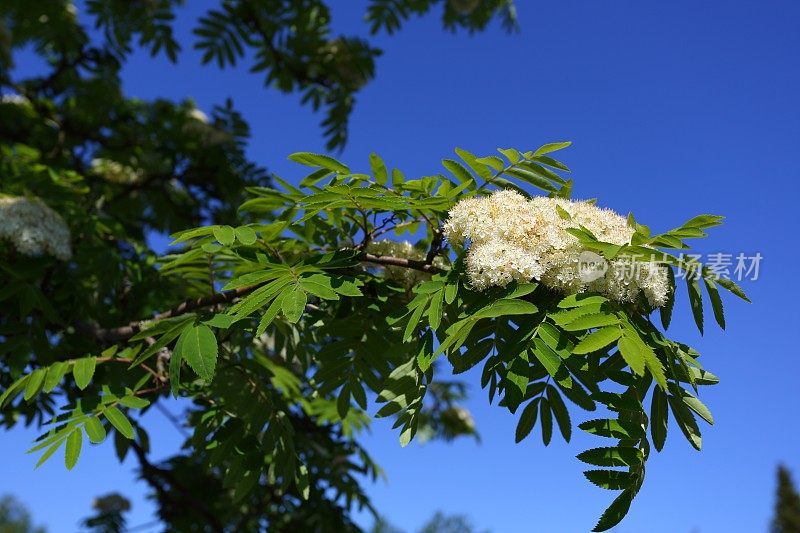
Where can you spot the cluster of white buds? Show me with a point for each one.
(33, 228)
(115, 172)
(403, 249)
(14, 99)
(513, 238)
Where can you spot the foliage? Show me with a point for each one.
(273, 316)
(14, 518)
(290, 42)
(438, 523)
(787, 504)
(109, 514)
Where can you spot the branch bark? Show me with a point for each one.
(125, 332)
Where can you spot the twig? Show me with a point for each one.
(125, 332)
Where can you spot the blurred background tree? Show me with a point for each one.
(787, 504)
(15, 518)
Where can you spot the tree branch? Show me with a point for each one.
(400, 262)
(125, 332)
(156, 477)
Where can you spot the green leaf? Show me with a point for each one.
(73, 449)
(703, 377)
(696, 302)
(425, 355)
(610, 479)
(631, 352)
(551, 362)
(563, 318)
(560, 412)
(716, 302)
(506, 307)
(301, 481)
(318, 160)
(134, 402)
(616, 511)
(293, 304)
(551, 147)
(268, 316)
(659, 418)
(612, 456)
(594, 320)
(14, 390)
(95, 430)
(547, 421)
(653, 365)
(34, 383)
(493, 161)
(458, 170)
(343, 402)
(612, 428)
(731, 286)
(225, 235)
(314, 177)
(413, 321)
(175, 360)
(686, 421)
(49, 452)
(199, 350)
(83, 371)
(532, 178)
(246, 485)
(597, 340)
(527, 420)
(397, 177)
(119, 421)
(245, 235)
(54, 375)
(517, 377)
(694, 403)
(512, 155)
(665, 311)
(378, 168)
(320, 286)
(406, 435)
(581, 299)
(435, 310)
(472, 161)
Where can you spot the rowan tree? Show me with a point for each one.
(289, 312)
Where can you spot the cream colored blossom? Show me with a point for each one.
(405, 250)
(116, 172)
(33, 228)
(198, 115)
(515, 239)
(14, 99)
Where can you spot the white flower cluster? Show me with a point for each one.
(14, 99)
(33, 228)
(404, 249)
(513, 238)
(116, 172)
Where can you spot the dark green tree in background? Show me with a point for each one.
(15, 518)
(787, 504)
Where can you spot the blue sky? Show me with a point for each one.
(675, 109)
